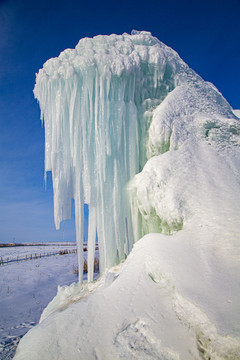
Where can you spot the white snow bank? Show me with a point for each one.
(193, 175)
(69, 294)
(143, 310)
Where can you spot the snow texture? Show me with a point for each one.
(135, 133)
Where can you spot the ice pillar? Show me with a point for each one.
(94, 101)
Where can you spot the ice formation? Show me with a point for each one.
(151, 147)
(99, 103)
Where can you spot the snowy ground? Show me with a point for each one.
(143, 309)
(27, 286)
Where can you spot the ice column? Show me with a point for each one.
(94, 101)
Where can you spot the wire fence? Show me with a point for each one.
(35, 256)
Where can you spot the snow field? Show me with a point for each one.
(28, 251)
(26, 287)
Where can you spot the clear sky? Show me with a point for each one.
(206, 34)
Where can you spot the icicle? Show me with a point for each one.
(91, 241)
(79, 223)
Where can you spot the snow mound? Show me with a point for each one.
(139, 314)
(67, 295)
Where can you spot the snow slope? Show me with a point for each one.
(137, 311)
(177, 294)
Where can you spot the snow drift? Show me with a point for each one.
(135, 133)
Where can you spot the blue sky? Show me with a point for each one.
(206, 34)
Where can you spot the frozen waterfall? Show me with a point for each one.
(97, 103)
(153, 149)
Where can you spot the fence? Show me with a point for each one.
(36, 256)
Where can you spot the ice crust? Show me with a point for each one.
(98, 101)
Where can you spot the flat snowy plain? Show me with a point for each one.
(27, 286)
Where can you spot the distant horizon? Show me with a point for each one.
(34, 243)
